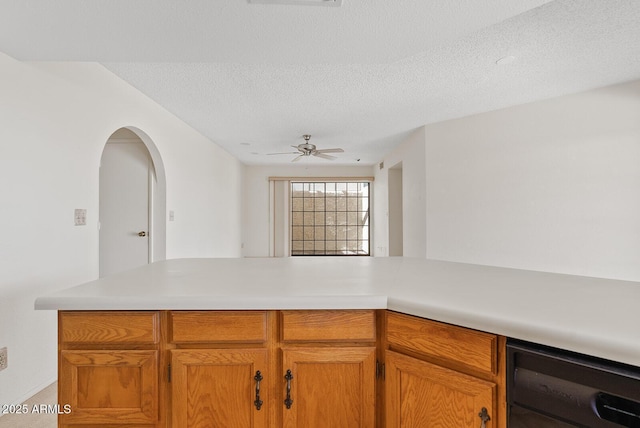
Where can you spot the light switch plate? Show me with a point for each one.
(80, 217)
(4, 360)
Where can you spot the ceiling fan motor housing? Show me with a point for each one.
(307, 148)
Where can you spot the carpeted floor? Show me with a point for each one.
(32, 419)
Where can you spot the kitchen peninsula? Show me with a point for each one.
(178, 327)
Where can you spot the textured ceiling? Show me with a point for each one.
(255, 77)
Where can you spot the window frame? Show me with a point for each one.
(358, 211)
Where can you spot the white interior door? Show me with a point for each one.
(124, 206)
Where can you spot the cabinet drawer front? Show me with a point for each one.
(447, 343)
(109, 327)
(328, 326)
(219, 326)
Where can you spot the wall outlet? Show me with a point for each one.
(3, 359)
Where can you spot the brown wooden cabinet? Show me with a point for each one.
(442, 375)
(216, 355)
(330, 358)
(109, 368)
(104, 387)
(330, 387)
(217, 388)
(200, 369)
(220, 374)
(421, 394)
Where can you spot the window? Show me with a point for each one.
(329, 218)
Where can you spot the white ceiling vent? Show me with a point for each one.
(300, 2)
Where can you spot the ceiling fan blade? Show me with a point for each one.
(297, 158)
(323, 156)
(285, 153)
(330, 151)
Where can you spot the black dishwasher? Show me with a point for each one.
(553, 388)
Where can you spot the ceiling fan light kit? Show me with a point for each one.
(308, 149)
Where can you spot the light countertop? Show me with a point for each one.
(594, 316)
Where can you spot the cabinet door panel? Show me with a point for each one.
(420, 394)
(216, 388)
(331, 387)
(109, 386)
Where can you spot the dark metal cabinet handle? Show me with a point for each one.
(288, 401)
(142, 234)
(484, 417)
(258, 403)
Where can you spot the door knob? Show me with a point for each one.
(143, 233)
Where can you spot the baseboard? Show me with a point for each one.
(34, 391)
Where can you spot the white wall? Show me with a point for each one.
(552, 185)
(412, 155)
(54, 122)
(256, 198)
(396, 216)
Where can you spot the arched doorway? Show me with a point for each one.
(132, 202)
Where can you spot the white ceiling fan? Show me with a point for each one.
(308, 149)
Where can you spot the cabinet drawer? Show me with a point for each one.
(446, 343)
(109, 327)
(218, 326)
(328, 325)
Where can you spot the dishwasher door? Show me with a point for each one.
(559, 389)
(520, 417)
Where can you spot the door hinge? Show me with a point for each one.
(169, 373)
(379, 370)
